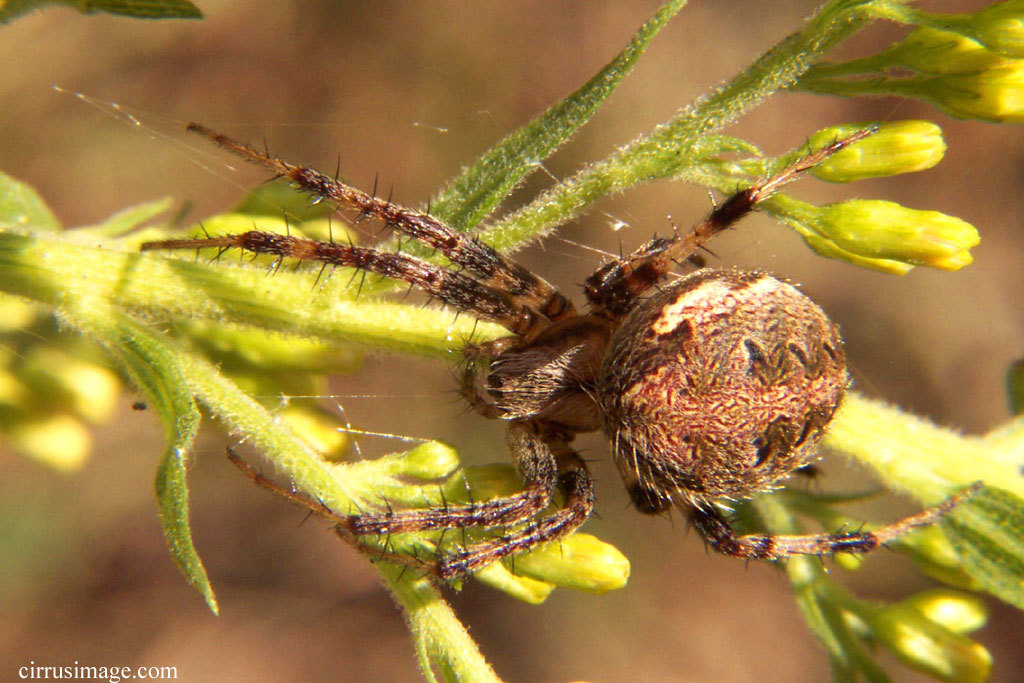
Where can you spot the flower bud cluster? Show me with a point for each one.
(49, 393)
(970, 66)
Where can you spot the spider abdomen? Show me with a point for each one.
(719, 386)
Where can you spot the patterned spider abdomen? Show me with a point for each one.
(719, 386)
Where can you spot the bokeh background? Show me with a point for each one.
(414, 91)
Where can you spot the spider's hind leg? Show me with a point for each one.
(543, 463)
(718, 533)
(538, 457)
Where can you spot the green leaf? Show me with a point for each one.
(131, 218)
(140, 9)
(280, 198)
(21, 205)
(47, 267)
(1015, 386)
(477, 191)
(674, 145)
(988, 533)
(153, 366)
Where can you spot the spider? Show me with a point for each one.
(712, 388)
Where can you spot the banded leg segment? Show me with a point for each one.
(453, 288)
(493, 269)
(542, 468)
(577, 485)
(616, 286)
(716, 531)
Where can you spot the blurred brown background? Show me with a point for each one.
(414, 91)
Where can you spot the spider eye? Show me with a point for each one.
(733, 405)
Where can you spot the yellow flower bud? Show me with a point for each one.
(935, 556)
(932, 51)
(897, 147)
(318, 428)
(58, 441)
(71, 384)
(500, 577)
(397, 479)
(885, 230)
(13, 392)
(428, 461)
(828, 249)
(487, 481)
(999, 27)
(994, 94)
(958, 611)
(16, 314)
(926, 646)
(849, 561)
(580, 561)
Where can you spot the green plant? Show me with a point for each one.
(230, 327)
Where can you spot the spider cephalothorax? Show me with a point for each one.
(714, 387)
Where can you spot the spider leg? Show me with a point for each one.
(453, 288)
(573, 480)
(543, 462)
(616, 286)
(492, 268)
(715, 529)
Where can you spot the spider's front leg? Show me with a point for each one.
(491, 269)
(616, 287)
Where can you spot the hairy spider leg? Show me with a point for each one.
(453, 288)
(715, 529)
(616, 287)
(493, 269)
(543, 463)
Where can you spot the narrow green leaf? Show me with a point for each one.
(153, 366)
(131, 218)
(670, 147)
(988, 533)
(279, 198)
(21, 205)
(478, 190)
(47, 266)
(1015, 386)
(440, 639)
(140, 9)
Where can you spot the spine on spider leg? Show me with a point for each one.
(616, 285)
(481, 259)
(454, 289)
(322, 186)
